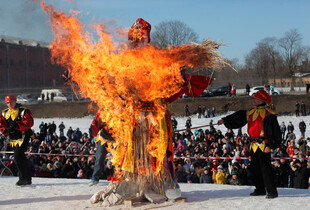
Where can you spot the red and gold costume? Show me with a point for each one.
(16, 123)
(256, 118)
(264, 130)
(20, 118)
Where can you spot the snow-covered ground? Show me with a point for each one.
(69, 194)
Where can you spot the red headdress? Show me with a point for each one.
(263, 96)
(10, 98)
(140, 31)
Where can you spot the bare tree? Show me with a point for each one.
(257, 61)
(173, 33)
(291, 51)
(270, 46)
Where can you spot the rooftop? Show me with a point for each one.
(20, 41)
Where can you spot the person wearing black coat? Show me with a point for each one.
(299, 174)
(264, 130)
(302, 127)
(205, 177)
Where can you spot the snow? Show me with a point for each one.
(84, 123)
(59, 194)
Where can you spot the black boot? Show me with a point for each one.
(29, 181)
(272, 195)
(23, 182)
(257, 193)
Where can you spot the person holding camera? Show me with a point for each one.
(264, 130)
(299, 175)
(15, 123)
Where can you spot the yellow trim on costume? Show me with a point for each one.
(261, 110)
(255, 146)
(13, 113)
(15, 142)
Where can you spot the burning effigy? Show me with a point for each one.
(132, 84)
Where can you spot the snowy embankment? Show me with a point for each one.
(67, 194)
(84, 123)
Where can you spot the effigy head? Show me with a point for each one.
(139, 32)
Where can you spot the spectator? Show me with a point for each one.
(52, 96)
(199, 112)
(208, 113)
(69, 132)
(213, 111)
(52, 127)
(174, 123)
(247, 89)
(291, 147)
(108, 171)
(234, 180)
(188, 165)
(219, 176)
(302, 127)
(233, 90)
(290, 126)
(297, 109)
(290, 136)
(283, 130)
(299, 174)
(61, 128)
(187, 113)
(206, 176)
(271, 89)
(229, 89)
(188, 123)
(302, 142)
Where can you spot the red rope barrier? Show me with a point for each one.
(48, 154)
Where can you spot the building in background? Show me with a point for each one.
(25, 67)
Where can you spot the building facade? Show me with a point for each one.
(25, 66)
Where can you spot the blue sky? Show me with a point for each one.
(239, 24)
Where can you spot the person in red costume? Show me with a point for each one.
(264, 130)
(15, 123)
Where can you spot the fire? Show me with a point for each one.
(120, 79)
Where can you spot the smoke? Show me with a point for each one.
(25, 19)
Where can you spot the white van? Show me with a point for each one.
(58, 95)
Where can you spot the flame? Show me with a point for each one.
(120, 79)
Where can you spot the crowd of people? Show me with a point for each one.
(69, 155)
(72, 155)
(231, 164)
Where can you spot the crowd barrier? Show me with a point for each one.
(176, 158)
